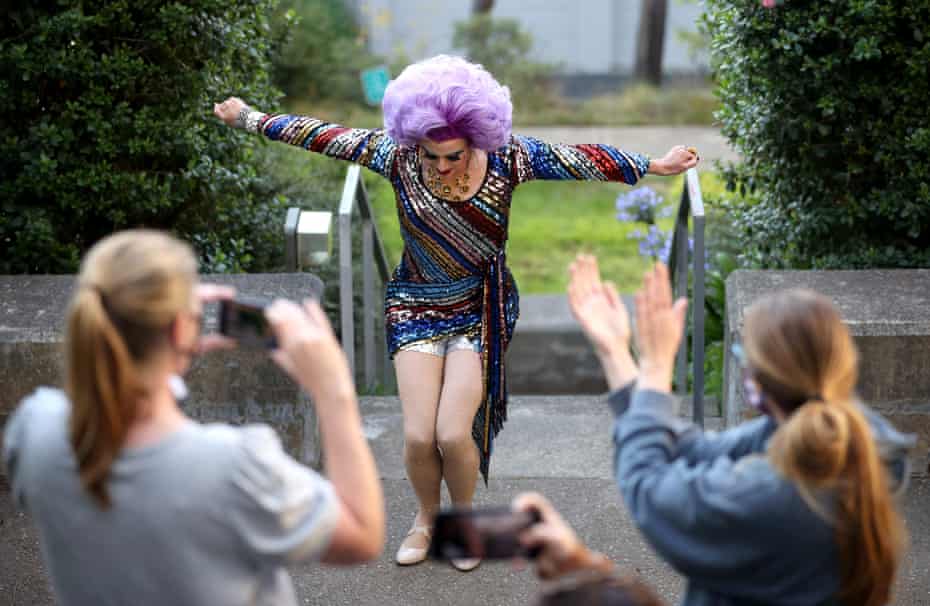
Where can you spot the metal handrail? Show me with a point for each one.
(691, 206)
(353, 193)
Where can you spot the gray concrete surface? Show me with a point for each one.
(549, 354)
(555, 445)
(237, 386)
(652, 140)
(886, 311)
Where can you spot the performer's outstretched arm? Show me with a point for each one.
(535, 159)
(372, 148)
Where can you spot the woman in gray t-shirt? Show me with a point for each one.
(137, 504)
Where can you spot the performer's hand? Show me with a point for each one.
(660, 325)
(604, 319)
(676, 161)
(228, 110)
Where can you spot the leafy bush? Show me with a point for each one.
(106, 123)
(827, 103)
(504, 49)
(324, 53)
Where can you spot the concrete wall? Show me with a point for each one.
(549, 354)
(238, 386)
(886, 312)
(590, 37)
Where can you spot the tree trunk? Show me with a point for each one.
(650, 41)
(481, 7)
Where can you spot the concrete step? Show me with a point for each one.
(592, 507)
(556, 445)
(544, 437)
(549, 354)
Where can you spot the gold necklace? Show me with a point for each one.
(441, 190)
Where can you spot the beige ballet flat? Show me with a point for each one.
(407, 555)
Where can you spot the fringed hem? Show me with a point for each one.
(494, 335)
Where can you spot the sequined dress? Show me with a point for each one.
(452, 278)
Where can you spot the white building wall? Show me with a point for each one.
(592, 37)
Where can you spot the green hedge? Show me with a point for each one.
(106, 123)
(324, 54)
(827, 102)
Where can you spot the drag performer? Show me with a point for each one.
(451, 305)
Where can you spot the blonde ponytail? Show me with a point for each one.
(131, 287)
(828, 446)
(803, 358)
(103, 387)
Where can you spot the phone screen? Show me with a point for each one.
(490, 533)
(243, 319)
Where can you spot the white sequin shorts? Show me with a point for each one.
(444, 347)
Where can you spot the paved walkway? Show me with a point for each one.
(559, 446)
(653, 140)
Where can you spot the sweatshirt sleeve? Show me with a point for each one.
(283, 511)
(13, 443)
(745, 439)
(695, 444)
(705, 517)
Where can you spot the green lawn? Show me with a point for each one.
(551, 222)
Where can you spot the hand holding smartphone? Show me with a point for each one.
(490, 533)
(243, 319)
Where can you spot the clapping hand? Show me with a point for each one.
(660, 325)
(597, 306)
(603, 318)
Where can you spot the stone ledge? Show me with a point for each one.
(239, 386)
(886, 311)
(549, 353)
(873, 302)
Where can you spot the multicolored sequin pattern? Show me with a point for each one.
(536, 159)
(373, 149)
(453, 278)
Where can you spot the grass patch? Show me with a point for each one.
(551, 222)
(637, 105)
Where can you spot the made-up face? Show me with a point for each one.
(449, 158)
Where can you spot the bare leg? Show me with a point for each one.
(462, 391)
(419, 381)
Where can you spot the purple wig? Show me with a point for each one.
(446, 98)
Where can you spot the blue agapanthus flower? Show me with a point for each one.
(641, 205)
(653, 243)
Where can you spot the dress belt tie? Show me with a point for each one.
(493, 412)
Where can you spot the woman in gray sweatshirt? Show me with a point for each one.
(134, 502)
(795, 507)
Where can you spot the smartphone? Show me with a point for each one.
(243, 319)
(489, 533)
